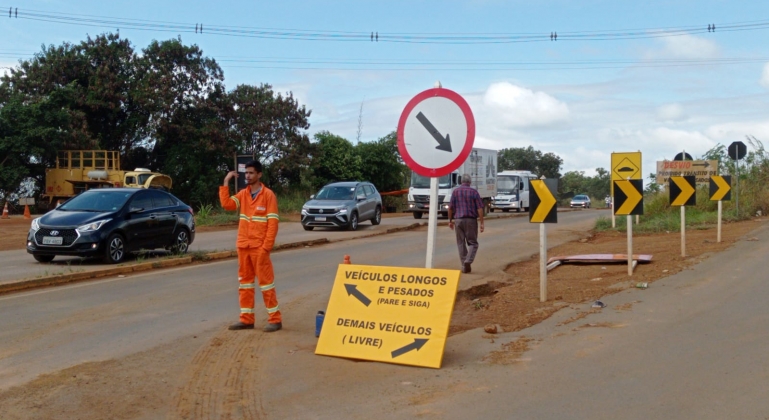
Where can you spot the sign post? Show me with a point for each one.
(683, 193)
(436, 131)
(542, 209)
(737, 151)
(629, 203)
(720, 189)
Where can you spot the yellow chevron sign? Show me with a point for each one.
(682, 191)
(628, 197)
(542, 207)
(720, 188)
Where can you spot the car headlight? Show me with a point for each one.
(305, 209)
(342, 210)
(92, 227)
(35, 225)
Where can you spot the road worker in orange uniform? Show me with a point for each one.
(257, 230)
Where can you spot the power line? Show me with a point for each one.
(393, 37)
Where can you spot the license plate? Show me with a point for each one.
(50, 240)
(320, 219)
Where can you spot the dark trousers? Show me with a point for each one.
(467, 237)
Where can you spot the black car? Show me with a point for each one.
(110, 222)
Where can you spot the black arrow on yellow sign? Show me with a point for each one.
(542, 208)
(416, 345)
(352, 289)
(720, 188)
(628, 197)
(683, 191)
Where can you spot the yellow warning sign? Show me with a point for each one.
(626, 166)
(389, 314)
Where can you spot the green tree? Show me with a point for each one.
(529, 159)
(270, 126)
(336, 160)
(381, 163)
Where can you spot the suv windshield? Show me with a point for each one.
(419, 181)
(580, 198)
(96, 200)
(335, 193)
(507, 184)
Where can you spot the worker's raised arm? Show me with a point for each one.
(229, 202)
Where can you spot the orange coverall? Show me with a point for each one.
(257, 229)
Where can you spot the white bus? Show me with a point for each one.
(512, 191)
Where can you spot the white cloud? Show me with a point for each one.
(671, 112)
(508, 105)
(685, 46)
(765, 76)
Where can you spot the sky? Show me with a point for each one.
(621, 76)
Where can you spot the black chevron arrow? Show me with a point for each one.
(353, 290)
(443, 143)
(416, 345)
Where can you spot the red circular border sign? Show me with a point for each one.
(469, 139)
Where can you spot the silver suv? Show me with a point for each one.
(343, 205)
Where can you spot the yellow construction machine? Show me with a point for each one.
(80, 170)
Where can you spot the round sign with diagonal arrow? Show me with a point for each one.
(436, 132)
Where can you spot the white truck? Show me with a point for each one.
(512, 191)
(481, 165)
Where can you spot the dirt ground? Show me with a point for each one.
(514, 305)
(149, 384)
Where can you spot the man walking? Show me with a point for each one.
(257, 229)
(466, 206)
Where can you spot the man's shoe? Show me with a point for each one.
(272, 327)
(241, 326)
(467, 268)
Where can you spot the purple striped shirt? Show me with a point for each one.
(465, 202)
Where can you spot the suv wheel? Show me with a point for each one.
(44, 258)
(115, 250)
(353, 225)
(417, 215)
(377, 216)
(308, 227)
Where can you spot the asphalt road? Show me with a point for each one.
(50, 329)
(18, 264)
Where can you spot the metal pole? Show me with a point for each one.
(542, 263)
(720, 205)
(737, 188)
(683, 231)
(683, 217)
(629, 245)
(432, 222)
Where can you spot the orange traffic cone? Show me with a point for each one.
(5, 211)
(27, 215)
(346, 260)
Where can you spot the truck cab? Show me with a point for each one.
(144, 178)
(512, 191)
(481, 165)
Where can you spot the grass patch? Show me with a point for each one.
(659, 216)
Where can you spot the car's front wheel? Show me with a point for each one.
(44, 258)
(308, 227)
(181, 242)
(417, 215)
(377, 216)
(115, 250)
(353, 225)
